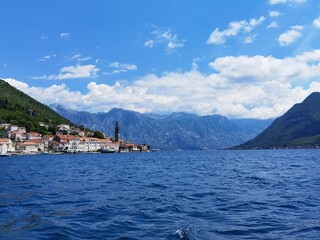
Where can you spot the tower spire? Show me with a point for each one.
(117, 132)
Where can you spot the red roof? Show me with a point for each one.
(35, 134)
(36, 141)
(28, 144)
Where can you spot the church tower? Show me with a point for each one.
(116, 132)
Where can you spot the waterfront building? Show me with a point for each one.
(27, 147)
(34, 136)
(6, 146)
(16, 136)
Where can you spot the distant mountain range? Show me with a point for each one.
(175, 131)
(299, 127)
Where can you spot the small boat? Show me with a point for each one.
(109, 149)
(5, 155)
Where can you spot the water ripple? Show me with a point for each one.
(165, 195)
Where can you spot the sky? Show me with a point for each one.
(237, 58)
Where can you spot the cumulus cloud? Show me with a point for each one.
(316, 22)
(243, 86)
(164, 36)
(273, 2)
(273, 24)
(291, 35)
(234, 28)
(69, 72)
(258, 69)
(249, 39)
(64, 35)
(274, 14)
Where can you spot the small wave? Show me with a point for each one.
(307, 229)
(185, 233)
(294, 165)
(288, 206)
(203, 195)
(156, 185)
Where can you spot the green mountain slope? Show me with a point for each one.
(19, 108)
(299, 127)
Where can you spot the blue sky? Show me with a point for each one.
(241, 59)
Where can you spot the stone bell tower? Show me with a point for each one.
(117, 132)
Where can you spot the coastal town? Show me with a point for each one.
(15, 140)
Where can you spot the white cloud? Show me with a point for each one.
(258, 69)
(52, 94)
(149, 43)
(249, 39)
(69, 72)
(316, 22)
(194, 64)
(274, 14)
(273, 24)
(234, 28)
(273, 2)
(290, 36)
(64, 35)
(121, 67)
(166, 37)
(125, 66)
(243, 86)
(309, 57)
(78, 57)
(47, 57)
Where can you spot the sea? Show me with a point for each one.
(258, 194)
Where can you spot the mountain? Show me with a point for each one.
(299, 127)
(175, 131)
(19, 108)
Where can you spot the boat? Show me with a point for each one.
(109, 149)
(5, 155)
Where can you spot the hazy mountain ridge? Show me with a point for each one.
(175, 131)
(298, 127)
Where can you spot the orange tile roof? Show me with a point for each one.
(35, 134)
(36, 141)
(28, 144)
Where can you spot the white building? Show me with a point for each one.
(6, 146)
(46, 140)
(40, 143)
(22, 129)
(64, 127)
(15, 136)
(33, 136)
(93, 144)
(28, 147)
(75, 144)
(12, 128)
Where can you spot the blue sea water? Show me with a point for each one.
(272, 194)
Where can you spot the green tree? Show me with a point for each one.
(98, 134)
